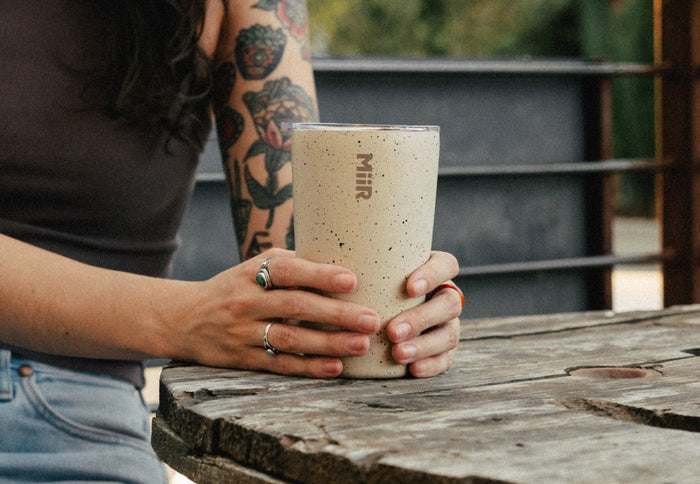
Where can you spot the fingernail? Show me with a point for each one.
(344, 281)
(368, 322)
(402, 330)
(409, 351)
(420, 287)
(358, 342)
(332, 367)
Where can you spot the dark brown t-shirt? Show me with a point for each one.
(73, 181)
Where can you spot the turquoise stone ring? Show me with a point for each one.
(262, 278)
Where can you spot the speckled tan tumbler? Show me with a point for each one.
(364, 198)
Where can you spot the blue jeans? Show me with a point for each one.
(67, 426)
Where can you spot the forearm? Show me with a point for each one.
(263, 78)
(52, 304)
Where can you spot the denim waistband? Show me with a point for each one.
(131, 371)
(5, 376)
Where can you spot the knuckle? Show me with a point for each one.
(448, 261)
(432, 366)
(297, 304)
(344, 313)
(283, 338)
(422, 322)
(454, 335)
(279, 271)
(451, 301)
(275, 252)
(453, 264)
(278, 259)
(421, 369)
(238, 306)
(448, 359)
(432, 272)
(456, 306)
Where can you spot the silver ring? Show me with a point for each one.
(263, 278)
(271, 350)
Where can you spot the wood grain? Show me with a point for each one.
(508, 411)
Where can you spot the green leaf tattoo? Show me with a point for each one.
(290, 234)
(257, 246)
(273, 109)
(240, 207)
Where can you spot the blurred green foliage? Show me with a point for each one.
(612, 30)
(622, 31)
(461, 28)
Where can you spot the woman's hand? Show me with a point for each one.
(426, 337)
(227, 325)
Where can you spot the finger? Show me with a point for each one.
(286, 270)
(445, 305)
(442, 339)
(295, 365)
(299, 340)
(302, 305)
(432, 366)
(440, 267)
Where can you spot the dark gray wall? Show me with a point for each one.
(490, 114)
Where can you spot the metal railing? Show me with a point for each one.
(676, 73)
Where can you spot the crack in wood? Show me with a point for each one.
(520, 380)
(206, 394)
(615, 372)
(629, 413)
(381, 404)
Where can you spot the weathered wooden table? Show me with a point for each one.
(589, 397)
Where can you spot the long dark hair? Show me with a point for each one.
(155, 74)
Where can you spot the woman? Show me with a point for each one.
(104, 108)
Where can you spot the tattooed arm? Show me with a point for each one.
(262, 78)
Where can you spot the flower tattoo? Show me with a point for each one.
(292, 14)
(280, 102)
(259, 50)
